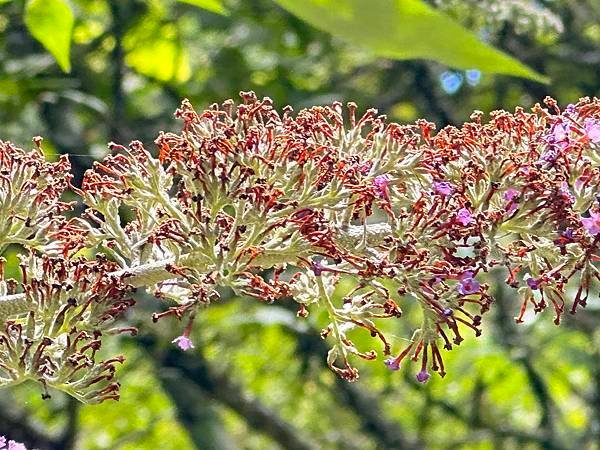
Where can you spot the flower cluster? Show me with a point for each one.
(30, 192)
(278, 205)
(526, 16)
(10, 444)
(69, 306)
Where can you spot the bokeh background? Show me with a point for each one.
(257, 378)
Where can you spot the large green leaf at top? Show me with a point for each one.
(51, 23)
(215, 6)
(406, 29)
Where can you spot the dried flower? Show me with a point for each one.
(275, 205)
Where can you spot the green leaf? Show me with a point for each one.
(51, 23)
(155, 50)
(407, 29)
(215, 6)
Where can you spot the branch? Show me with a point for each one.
(220, 386)
(155, 272)
(196, 411)
(16, 423)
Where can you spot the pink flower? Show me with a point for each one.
(510, 194)
(183, 342)
(12, 445)
(365, 167)
(464, 216)
(467, 284)
(559, 135)
(443, 188)
(381, 185)
(592, 129)
(592, 223)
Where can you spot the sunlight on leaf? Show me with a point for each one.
(406, 29)
(51, 23)
(154, 50)
(215, 6)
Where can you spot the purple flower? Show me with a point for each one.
(533, 283)
(592, 223)
(447, 312)
(464, 216)
(183, 342)
(423, 376)
(392, 363)
(443, 187)
(467, 284)
(549, 155)
(2, 442)
(568, 233)
(570, 109)
(381, 185)
(510, 194)
(317, 268)
(592, 129)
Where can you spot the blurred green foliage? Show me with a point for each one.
(533, 386)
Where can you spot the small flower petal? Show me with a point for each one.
(443, 188)
(510, 194)
(183, 342)
(464, 216)
(423, 376)
(12, 445)
(592, 129)
(392, 363)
